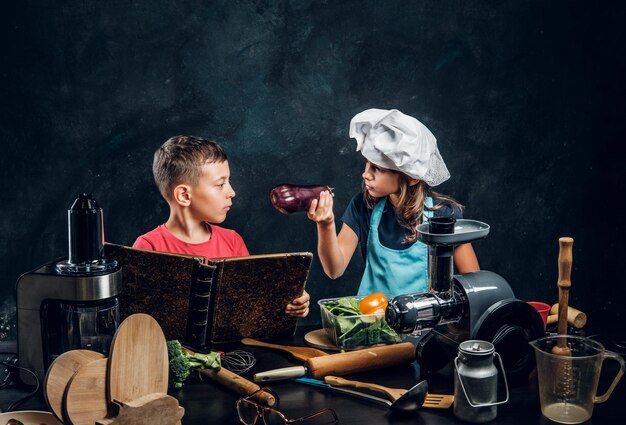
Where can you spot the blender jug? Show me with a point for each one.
(89, 326)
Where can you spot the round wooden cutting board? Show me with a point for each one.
(30, 417)
(318, 339)
(59, 374)
(85, 399)
(138, 363)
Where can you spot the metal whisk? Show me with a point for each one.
(238, 361)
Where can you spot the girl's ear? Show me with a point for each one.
(182, 195)
(413, 182)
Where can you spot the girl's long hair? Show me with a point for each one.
(411, 204)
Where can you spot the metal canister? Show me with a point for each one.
(476, 382)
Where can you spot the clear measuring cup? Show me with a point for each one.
(568, 383)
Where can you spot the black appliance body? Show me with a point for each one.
(69, 303)
(479, 305)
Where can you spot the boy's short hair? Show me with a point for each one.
(180, 159)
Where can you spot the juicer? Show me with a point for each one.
(460, 307)
(69, 303)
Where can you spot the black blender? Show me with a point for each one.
(478, 305)
(69, 303)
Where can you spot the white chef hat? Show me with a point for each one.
(393, 140)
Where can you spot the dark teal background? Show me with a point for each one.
(526, 100)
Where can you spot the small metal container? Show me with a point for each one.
(476, 382)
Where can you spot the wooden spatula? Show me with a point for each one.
(59, 374)
(432, 401)
(138, 363)
(298, 353)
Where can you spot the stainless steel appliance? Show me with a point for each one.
(69, 303)
(472, 306)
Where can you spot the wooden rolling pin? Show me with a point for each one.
(575, 318)
(361, 360)
(239, 384)
(344, 363)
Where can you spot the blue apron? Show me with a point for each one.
(391, 271)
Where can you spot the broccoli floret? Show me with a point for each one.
(182, 362)
(179, 365)
(174, 348)
(180, 368)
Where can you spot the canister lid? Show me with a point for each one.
(476, 347)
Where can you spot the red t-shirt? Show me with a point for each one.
(223, 243)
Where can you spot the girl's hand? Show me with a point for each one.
(300, 306)
(321, 210)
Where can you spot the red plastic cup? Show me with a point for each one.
(543, 309)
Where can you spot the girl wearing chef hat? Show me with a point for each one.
(402, 165)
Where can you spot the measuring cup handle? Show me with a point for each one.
(611, 355)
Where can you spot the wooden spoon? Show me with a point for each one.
(299, 353)
(59, 374)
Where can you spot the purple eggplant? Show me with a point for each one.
(290, 198)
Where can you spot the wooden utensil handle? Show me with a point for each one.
(564, 282)
(299, 353)
(361, 360)
(239, 384)
(256, 343)
(565, 262)
(341, 382)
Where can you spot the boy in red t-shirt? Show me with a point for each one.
(193, 175)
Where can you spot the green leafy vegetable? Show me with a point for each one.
(182, 362)
(355, 329)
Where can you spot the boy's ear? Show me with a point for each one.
(182, 195)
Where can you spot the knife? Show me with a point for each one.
(321, 384)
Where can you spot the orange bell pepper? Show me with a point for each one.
(375, 303)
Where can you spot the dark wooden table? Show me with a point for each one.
(206, 402)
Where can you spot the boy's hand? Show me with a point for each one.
(321, 210)
(300, 306)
